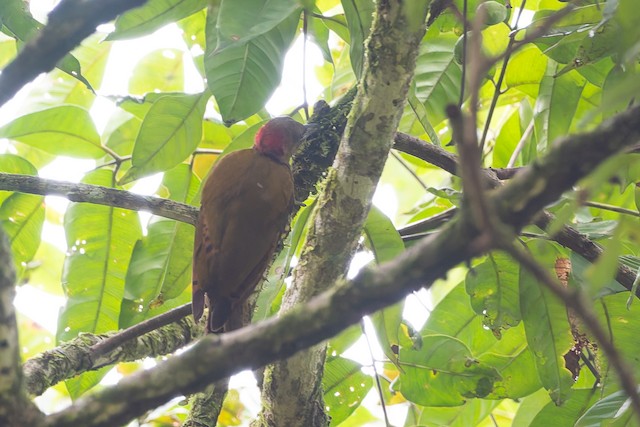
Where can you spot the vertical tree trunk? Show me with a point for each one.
(292, 391)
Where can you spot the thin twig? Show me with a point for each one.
(140, 329)
(408, 169)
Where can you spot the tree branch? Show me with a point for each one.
(90, 352)
(99, 195)
(345, 304)
(69, 23)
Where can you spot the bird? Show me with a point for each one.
(245, 207)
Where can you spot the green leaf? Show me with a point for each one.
(579, 268)
(10, 163)
(139, 107)
(547, 328)
(159, 71)
(509, 135)
(17, 21)
(243, 77)
(100, 240)
(613, 407)
(525, 70)
(443, 372)
(437, 76)
(319, 35)
(493, 288)
(344, 385)
(21, 217)
(469, 414)
(566, 414)
(556, 104)
(46, 269)
(454, 317)
(169, 133)
(359, 15)
(66, 130)
(160, 268)
(240, 21)
(153, 15)
(385, 243)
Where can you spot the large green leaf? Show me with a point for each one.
(66, 130)
(556, 104)
(441, 371)
(566, 414)
(509, 355)
(242, 20)
(547, 328)
(525, 70)
(160, 268)
(169, 133)
(100, 241)
(153, 15)
(344, 385)
(385, 242)
(437, 76)
(243, 77)
(21, 217)
(359, 15)
(493, 288)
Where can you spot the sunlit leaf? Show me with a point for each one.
(243, 20)
(169, 132)
(159, 71)
(493, 288)
(100, 241)
(344, 385)
(65, 130)
(160, 267)
(386, 244)
(243, 77)
(153, 15)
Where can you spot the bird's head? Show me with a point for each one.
(279, 138)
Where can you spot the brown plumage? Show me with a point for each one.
(246, 202)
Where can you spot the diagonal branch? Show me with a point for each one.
(517, 203)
